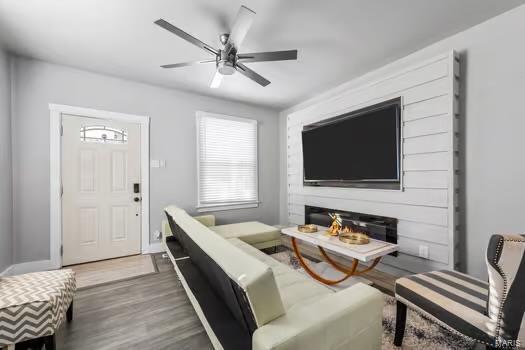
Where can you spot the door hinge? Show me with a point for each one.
(61, 250)
(61, 130)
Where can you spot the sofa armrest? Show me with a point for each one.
(348, 319)
(206, 220)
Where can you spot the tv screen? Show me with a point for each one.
(358, 147)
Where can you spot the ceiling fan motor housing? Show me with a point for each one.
(224, 38)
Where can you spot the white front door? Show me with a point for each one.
(101, 189)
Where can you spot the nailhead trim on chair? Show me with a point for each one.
(505, 283)
(502, 239)
(500, 311)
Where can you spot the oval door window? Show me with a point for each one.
(103, 134)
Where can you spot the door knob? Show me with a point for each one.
(136, 199)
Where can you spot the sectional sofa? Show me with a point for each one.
(247, 300)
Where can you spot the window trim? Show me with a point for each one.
(226, 205)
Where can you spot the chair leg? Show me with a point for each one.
(69, 312)
(401, 317)
(49, 342)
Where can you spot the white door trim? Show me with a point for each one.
(56, 112)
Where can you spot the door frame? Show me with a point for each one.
(55, 171)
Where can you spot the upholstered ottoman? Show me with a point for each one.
(34, 305)
(254, 233)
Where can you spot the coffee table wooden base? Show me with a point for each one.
(348, 272)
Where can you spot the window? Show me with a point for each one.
(226, 162)
(103, 134)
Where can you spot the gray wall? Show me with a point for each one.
(6, 243)
(172, 112)
(493, 126)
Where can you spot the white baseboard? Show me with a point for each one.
(7, 271)
(155, 248)
(30, 266)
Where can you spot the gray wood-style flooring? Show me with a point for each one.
(148, 312)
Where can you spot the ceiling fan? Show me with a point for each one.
(228, 60)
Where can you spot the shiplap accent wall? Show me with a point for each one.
(426, 205)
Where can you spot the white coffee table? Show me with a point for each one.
(371, 252)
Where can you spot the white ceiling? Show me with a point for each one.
(337, 40)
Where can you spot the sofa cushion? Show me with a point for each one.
(206, 220)
(220, 260)
(349, 319)
(295, 288)
(251, 232)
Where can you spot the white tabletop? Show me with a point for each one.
(363, 252)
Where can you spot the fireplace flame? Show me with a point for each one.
(352, 230)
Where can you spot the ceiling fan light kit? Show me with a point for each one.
(226, 67)
(217, 79)
(227, 60)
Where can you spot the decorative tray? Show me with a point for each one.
(307, 228)
(354, 238)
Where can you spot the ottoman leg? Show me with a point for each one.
(49, 342)
(69, 312)
(401, 317)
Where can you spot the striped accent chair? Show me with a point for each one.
(34, 305)
(488, 313)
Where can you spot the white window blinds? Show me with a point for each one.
(227, 161)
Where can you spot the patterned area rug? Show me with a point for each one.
(420, 333)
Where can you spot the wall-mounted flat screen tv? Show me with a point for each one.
(358, 149)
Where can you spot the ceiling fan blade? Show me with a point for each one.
(217, 78)
(185, 64)
(247, 72)
(240, 27)
(268, 56)
(182, 34)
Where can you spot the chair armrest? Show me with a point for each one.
(206, 220)
(348, 319)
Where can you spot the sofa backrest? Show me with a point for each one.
(246, 284)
